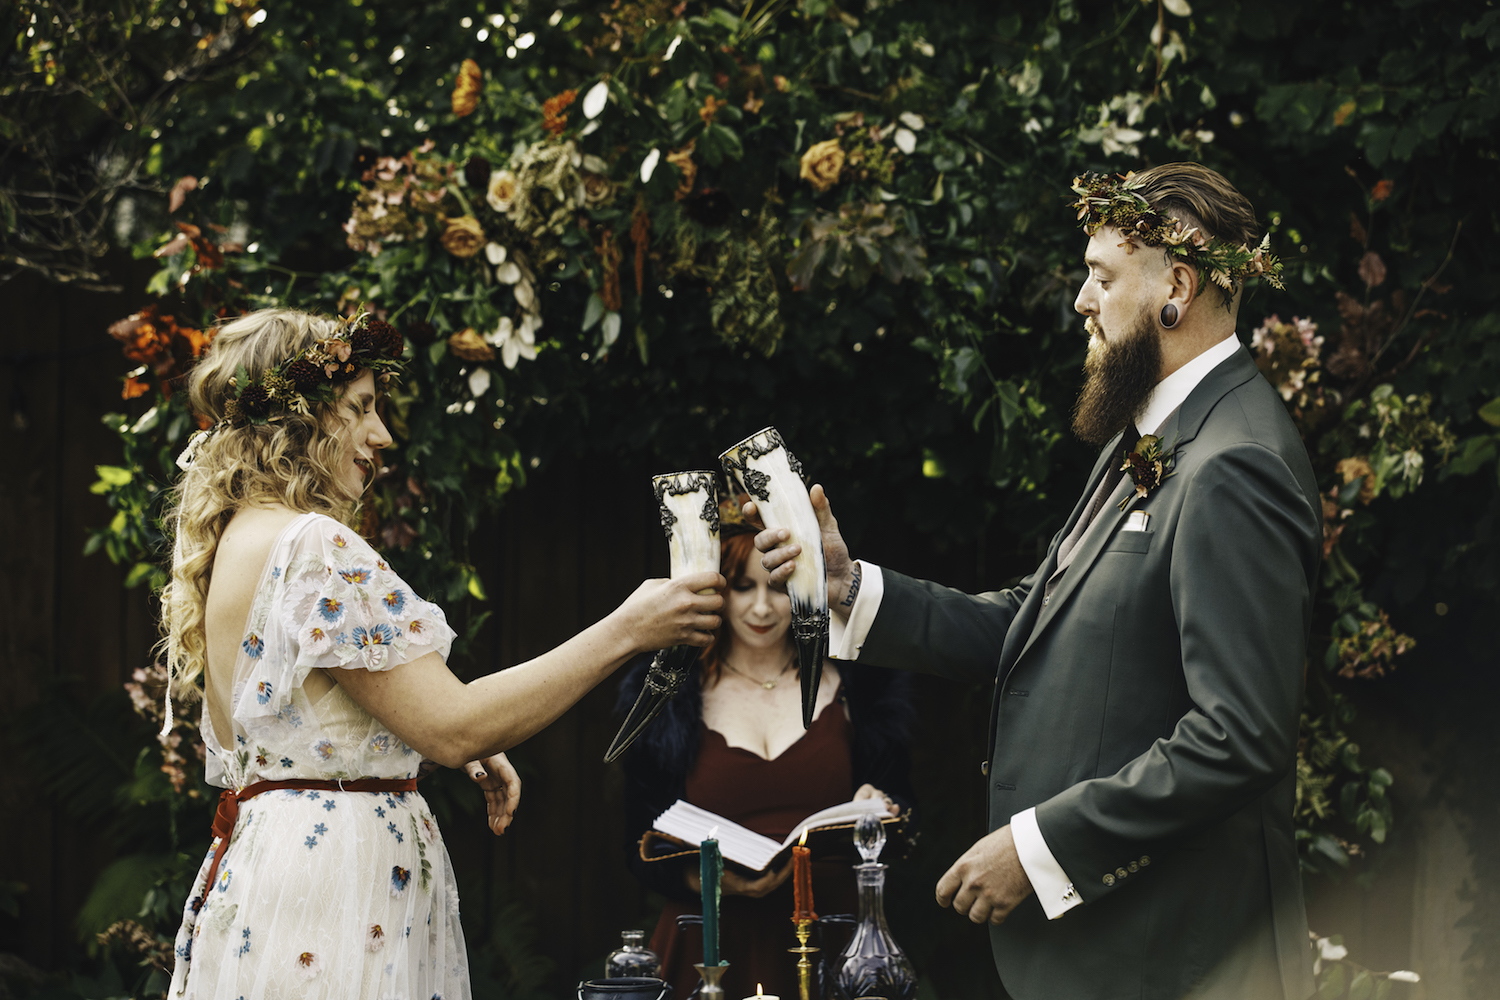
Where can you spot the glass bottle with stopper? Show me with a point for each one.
(872, 966)
(632, 959)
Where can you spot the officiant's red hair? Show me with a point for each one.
(734, 556)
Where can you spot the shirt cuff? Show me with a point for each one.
(847, 631)
(1053, 888)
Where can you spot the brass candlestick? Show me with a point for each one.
(711, 989)
(804, 963)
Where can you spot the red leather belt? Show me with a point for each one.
(229, 805)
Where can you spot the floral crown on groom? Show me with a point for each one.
(310, 375)
(1117, 202)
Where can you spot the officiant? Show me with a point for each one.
(732, 742)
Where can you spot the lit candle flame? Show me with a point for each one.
(802, 841)
(759, 990)
(713, 834)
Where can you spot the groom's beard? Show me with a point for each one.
(1121, 374)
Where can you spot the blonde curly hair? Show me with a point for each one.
(289, 460)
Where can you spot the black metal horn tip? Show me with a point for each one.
(664, 678)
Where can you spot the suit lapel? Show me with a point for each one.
(1181, 428)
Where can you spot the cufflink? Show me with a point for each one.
(1070, 895)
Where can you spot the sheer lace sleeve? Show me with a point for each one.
(331, 602)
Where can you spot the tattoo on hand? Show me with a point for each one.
(848, 601)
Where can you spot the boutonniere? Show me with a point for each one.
(1149, 465)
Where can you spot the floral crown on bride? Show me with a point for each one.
(309, 376)
(1117, 202)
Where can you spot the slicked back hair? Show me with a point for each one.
(1201, 197)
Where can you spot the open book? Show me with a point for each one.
(688, 825)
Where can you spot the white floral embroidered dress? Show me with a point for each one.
(323, 893)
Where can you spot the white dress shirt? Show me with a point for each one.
(847, 629)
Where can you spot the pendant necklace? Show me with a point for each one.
(769, 685)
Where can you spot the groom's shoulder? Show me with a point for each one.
(1253, 413)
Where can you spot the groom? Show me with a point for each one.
(1148, 675)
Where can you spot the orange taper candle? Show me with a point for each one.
(802, 894)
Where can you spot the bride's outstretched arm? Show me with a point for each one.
(453, 722)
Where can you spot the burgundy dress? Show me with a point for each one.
(769, 797)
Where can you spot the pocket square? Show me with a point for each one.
(1137, 521)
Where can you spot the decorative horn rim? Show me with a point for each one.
(664, 678)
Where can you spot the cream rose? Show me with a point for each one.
(502, 190)
(464, 237)
(822, 164)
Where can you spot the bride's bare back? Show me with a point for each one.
(238, 564)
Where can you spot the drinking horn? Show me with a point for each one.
(766, 469)
(689, 505)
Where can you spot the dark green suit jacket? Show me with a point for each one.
(1148, 709)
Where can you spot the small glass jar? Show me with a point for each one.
(632, 958)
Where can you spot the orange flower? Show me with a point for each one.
(711, 106)
(466, 88)
(554, 118)
(134, 387)
(682, 159)
(609, 253)
(470, 346)
(1382, 190)
(753, 104)
(640, 235)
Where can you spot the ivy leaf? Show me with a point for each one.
(728, 141)
(1010, 403)
(1490, 413)
(860, 43)
(592, 312)
(112, 476)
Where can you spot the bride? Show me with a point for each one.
(325, 683)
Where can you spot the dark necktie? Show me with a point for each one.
(1114, 471)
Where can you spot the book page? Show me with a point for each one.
(844, 812)
(743, 846)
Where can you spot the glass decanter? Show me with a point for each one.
(872, 966)
(632, 959)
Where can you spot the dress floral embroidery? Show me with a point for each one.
(323, 893)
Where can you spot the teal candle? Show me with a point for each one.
(710, 871)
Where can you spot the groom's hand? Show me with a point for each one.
(780, 553)
(987, 882)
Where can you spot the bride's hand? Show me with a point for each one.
(665, 613)
(502, 789)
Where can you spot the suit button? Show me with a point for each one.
(1145, 860)
(1120, 873)
(1109, 880)
(1046, 600)
(984, 768)
(1133, 867)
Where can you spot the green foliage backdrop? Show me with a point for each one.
(642, 227)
